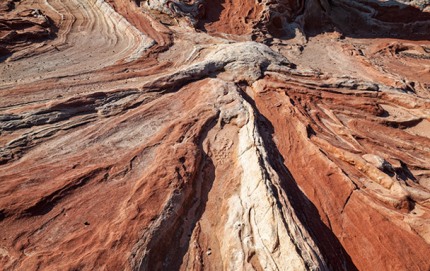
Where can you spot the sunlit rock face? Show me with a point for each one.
(214, 135)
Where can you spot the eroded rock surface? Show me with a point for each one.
(214, 135)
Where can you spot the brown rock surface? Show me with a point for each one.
(214, 135)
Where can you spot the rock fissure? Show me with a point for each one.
(214, 135)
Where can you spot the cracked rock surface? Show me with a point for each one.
(214, 135)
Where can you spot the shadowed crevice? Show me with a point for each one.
(329, 245)
(167, 251)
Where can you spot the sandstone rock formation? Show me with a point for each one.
(214, 135)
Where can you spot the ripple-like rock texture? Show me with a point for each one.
(214, 135)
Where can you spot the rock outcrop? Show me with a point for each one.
(214, 135)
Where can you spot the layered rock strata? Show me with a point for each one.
(214, 135)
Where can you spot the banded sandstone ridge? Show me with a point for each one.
(214, 135)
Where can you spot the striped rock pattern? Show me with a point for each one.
(214, 135)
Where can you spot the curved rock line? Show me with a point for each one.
(97, 29)
(216, 135)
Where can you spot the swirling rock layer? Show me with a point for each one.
(214, 135)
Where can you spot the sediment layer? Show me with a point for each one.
(214, 135)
